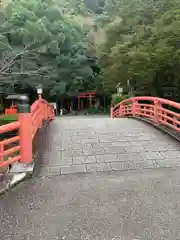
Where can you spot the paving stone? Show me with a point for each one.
(60, 161)
(129, 157)
(166, 163)
(71, 153)
(90, 159)
(151, 155)
(151, 148)
(78, 160)
(171, 154)
(128, 165)
(98, 167)
(123, 138)
(145, 137)
(93, 152)
(146, 164)
(77, 152)
(115, 150)
(105, 140)
(89, 141)
(121, 144)
(82, 146)
(141, 143)
(135, 149)
(131, 134)
(73, 169)
(67, 153)
(105, 145)
(107, 158)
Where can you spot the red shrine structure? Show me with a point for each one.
(89, 95)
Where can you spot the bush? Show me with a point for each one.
(117, 99)
(9, 118)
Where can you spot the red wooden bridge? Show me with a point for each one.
(155, 109)
(129, 181)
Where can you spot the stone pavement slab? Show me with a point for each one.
(82, 143)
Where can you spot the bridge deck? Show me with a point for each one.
(91, 144)
(121, 205)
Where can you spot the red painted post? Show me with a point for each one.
(1, 152)
(157, 112)
(25, 133)
(40, 117)
(134, 107)
(174, 121)
(120, 110)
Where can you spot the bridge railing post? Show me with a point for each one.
(120, 110)
(25, 133)
(1, 152)
(134, 107)
(157, 111)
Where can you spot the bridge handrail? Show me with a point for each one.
(26, 127)
(155, 110)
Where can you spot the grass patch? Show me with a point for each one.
(8, 118)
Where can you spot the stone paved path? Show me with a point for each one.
(96, 144)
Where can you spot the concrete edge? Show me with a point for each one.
(162, 128)
(11, 180)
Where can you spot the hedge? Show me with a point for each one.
(117, 99)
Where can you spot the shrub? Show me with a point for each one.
(117, 99)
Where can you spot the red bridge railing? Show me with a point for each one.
(26, 127)
(159, 110)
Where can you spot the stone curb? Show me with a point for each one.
(12, 179)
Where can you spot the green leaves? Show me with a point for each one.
(143, 46)
(40, 42)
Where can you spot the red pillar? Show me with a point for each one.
(1, 152)
(25, 133)
(79, 103)
(157, 111)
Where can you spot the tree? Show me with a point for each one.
(41, 43)
(143, 48)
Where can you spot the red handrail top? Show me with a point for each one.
(9, 127)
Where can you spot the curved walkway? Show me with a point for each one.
(95, 144)
(136, 204)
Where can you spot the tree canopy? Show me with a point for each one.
(143, 48)
(82, 45)
(40, 42)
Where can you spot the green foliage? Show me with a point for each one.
(55, 43)
(117, 99)
(143, 48)
(9, 118)
(40, 42)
